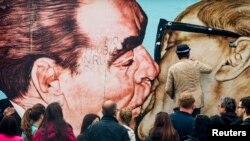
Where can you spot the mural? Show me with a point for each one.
(76, 52)
(218, 34)
(83, 52)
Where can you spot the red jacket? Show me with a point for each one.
(40, 134)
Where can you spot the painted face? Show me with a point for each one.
(210, 50)
(114, 65)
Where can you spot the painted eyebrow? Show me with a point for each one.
(128, 44)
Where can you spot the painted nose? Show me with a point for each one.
(147, 69)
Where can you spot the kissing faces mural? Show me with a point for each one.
(83, 52)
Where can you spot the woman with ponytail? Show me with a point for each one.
(31, 120)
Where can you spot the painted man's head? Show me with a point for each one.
(78, 53)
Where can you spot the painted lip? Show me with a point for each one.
(136, 109)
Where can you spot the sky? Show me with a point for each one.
(156, 9)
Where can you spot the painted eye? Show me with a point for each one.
(128, 63)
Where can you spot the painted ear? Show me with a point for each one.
(237, 62)
(44, 75)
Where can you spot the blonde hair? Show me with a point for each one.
(126, 115)
(186, 100)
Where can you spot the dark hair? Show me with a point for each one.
(88, 120)
(180, 56)
(245, 102)
(163, 129)
(19, 50)
(31, 115)
(201, 127)
(9, 126)
(54, 116)
(109, 110)
(229, 104)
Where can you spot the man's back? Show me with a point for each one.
(186, 77)
(107, 129)
(183, 122)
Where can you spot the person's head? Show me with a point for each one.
(76, 52)
(163, 126)
(9, 126)
(201, 127)
(186, 101)
(33, 115)
(109, 108)
(53, 113)
(53, 118)
(227, 104)
(126, 116)
(244, 107)
(88, 120)
(182, 51)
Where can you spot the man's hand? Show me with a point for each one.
(194, 58)
(9, 111)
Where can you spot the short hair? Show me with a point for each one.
(9, 126)
(245, 102)
(21, 45)
(109, 109)
(228, 103)
(180, 56)
(126, 115)
(186, 100)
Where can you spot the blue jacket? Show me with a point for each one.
(183, 122)
(107, 129)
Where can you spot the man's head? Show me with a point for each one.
(186, 101)
(227, 104)
(78, 53)
(109, 108)
(182, 51)
(244, 107)
(126, 116)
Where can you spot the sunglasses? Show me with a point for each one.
(165, 26)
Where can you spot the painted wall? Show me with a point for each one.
(80, 54)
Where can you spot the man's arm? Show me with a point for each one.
(170, 84)
(204, 68)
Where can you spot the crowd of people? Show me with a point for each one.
(44, 124)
